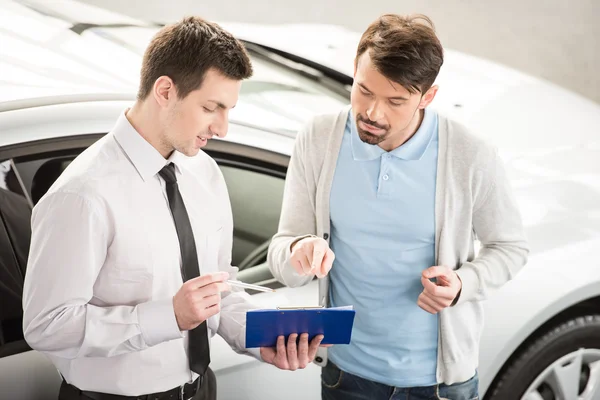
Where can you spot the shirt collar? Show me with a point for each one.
(413, 149)
(144, 157)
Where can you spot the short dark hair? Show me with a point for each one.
(186, 50)
(404, 49)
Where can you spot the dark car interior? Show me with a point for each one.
(15, 214)
(46, 175)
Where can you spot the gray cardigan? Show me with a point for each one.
(473, 198)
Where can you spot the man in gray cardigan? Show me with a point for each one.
(383, 202)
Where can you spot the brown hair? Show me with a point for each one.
(405, 49)
(186, 50)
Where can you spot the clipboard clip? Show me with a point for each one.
(301, 308)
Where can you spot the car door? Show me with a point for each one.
(255, 181)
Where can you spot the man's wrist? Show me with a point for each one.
(295, 242)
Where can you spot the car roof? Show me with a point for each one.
(31, 120)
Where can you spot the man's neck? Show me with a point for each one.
(146, 125)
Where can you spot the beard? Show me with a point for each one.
(368, 137)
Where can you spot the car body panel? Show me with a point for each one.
(57, 119)
(541, 291)
(40, 382)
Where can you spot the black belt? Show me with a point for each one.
(184, 392)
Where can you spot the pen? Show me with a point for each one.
(249, 286)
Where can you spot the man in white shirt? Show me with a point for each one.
(131, 247)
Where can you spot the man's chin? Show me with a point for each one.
(190, 151)
(369, 138)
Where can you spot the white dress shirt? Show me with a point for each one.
(104, 266)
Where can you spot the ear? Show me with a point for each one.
(164, 91)
(428, 97)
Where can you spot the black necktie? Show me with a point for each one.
(199, 351)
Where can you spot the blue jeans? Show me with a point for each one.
(340, 385)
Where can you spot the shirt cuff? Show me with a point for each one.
(157, 322)
(255, 352)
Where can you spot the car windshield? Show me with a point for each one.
(275, 97)
(48, 56)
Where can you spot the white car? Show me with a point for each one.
(69, 69)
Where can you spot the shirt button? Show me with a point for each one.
(386, 177)
(326, 236)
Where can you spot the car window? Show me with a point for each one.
(256, 203)
(39, 174)
(283, 100)
(255, 198)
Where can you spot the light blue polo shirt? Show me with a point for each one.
(382, 210)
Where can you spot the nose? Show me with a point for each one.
(220, 126)
(374, 112)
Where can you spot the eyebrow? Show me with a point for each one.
(389, 98)
(220, 105)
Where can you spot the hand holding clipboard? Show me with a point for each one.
(263, 327)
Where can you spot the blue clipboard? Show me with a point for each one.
(264, 326)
